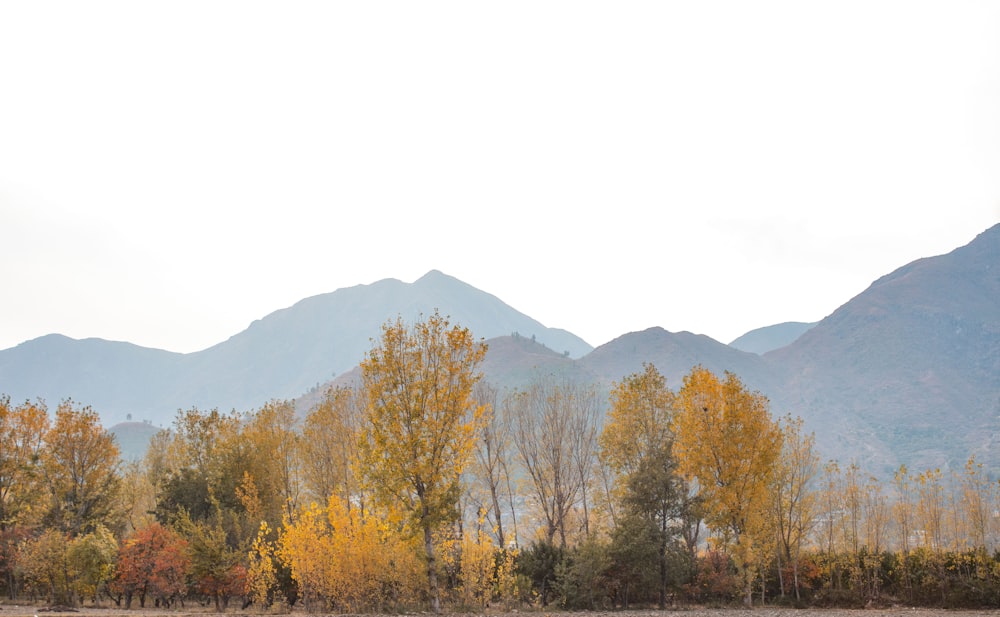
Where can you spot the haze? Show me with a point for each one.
(171, 172)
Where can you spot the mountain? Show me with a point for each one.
(674, 354)
(133, 438)
(280, 356)
(769, 338)
(908, 371)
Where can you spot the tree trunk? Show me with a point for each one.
(432, 582)
(663, 561)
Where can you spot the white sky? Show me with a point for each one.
(171, 171)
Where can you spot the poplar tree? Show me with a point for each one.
(420, 423)
(727, 441)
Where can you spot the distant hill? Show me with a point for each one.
(133, 438)
(674, 354)
(769, 338)
(907, 372)
(280, 356)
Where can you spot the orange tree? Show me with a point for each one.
(154, 562)
(420, 423)
(727, 441)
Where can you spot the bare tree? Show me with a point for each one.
(492, 468)
(554, 426)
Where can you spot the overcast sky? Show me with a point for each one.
(171, 171)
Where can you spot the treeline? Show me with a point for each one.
(426, 487)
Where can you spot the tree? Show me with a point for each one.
(329, 443)
(92, 559)
(273, 439)
(554, 428)
(153, 561)
(22, 432)
(43, 564)
(727, 441)
(794, 502)
(421, 422)
(81, 469)
(637, 444)
(216, 567)
(352, 561)
(492, 468)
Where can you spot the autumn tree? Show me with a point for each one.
(794, 500)
(43, 564)
(92, 560)
(329, 443)
(22, 432)
(554, 429)
(153, 561)
(421, 422)
(351, 561)
(217, 567)
(637, 444)
(81, 467)
(273, 446)
(727, 441)
(977, 504)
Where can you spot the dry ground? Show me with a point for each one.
(10, 610)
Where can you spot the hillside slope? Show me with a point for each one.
(908, 371)
(279, 356)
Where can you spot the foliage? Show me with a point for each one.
(637, 445)
(421, 423)
(262, 577)
(81, 466)
(727, 441)
(92, 560)
(426, 474)
(152, 562)
(43, 566)
(22, 432)
(538, 564)
(329, 443)
(217, 567)
(349, 560)
(582, 576)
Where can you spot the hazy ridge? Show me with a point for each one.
(907, 372)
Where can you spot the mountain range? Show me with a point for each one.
(906, 372)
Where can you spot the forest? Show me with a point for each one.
(425, 488)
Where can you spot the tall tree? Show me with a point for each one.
(727, 441)
(554, 430)
(421, 422)
(492, 465)
(81, 466)
(637, 444)
(794, 500)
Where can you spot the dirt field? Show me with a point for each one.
(30, 611)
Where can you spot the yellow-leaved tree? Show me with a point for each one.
(636, 445)
(726, 440)
(420, 423)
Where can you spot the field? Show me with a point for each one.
(33, 611)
